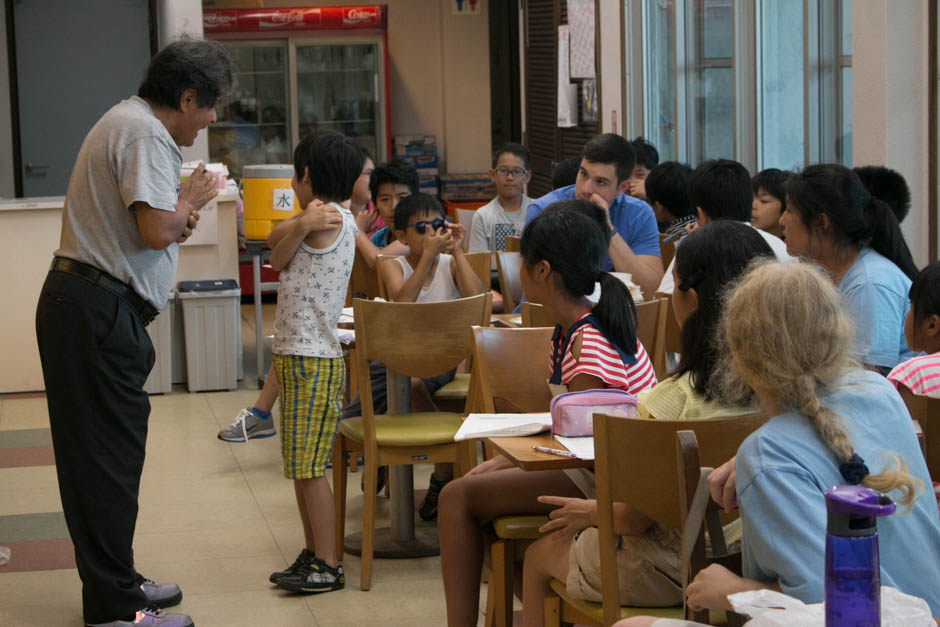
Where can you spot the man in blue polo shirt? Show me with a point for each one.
(606, 164)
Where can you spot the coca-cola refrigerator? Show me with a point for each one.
(300, 70)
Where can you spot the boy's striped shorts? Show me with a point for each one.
(311, 393)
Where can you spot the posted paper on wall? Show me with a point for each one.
(567, 93)
(581, 24)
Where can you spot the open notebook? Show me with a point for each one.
(502, 425)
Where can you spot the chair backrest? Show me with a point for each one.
(651, 331)
(926, 411)
(465, 219)
(534, 315)
(364, 281)
(507, 364)
(673, 330)
(512, 243)
(508, 266)
(667, 250)
(635, 463)
(482, 264)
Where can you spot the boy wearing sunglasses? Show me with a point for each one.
(425, 275)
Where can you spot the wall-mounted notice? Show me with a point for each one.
(581, 21)
(567, 93)
(466, 7)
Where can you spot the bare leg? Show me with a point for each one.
(317, 498)
(469, 503)
(268, 393)
(304, 517)
(545, 559)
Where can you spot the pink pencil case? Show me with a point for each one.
(573, 412)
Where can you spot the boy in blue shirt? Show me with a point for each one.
(389, 183)
(603, 178)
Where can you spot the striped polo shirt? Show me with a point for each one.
(921, 375)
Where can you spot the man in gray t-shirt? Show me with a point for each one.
(125, 214)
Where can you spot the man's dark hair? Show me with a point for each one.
(416, 204)
(888, 186)
(199, 64)
(646, 153)
(565, 172)
(514, 149)
(722, 188)
(668, 184)
(611, 148)
(396, 172)
(332, 161)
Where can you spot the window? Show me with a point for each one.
(767, 82)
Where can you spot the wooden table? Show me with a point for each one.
(519, 450)
(511, 320)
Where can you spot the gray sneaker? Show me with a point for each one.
(162, 595)
(150, 617)
(248, 425)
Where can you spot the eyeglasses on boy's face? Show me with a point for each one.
(515, 172)
(422, 225)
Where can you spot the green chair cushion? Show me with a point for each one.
(519, 527)
(415, 429)
(456, 389)
(596, 610)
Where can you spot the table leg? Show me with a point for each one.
(259, 332)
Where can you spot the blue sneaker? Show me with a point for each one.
(248, 425)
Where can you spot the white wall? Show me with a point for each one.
(889, 102)
(7, 173)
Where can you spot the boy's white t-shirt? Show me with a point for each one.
(311, 295)
(492, 223)
(442, 287)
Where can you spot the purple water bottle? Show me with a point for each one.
(853, 578)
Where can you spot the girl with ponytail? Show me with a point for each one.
(594, 346)
(831, 219)
(785, 339)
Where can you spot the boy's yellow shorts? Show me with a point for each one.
(310, 394)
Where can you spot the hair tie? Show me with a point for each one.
(854, 470)
(688, 283)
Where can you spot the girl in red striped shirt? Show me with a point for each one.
(921, 375)
(595, 346)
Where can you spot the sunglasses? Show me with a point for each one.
(435, 224)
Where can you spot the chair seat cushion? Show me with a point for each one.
(519, 527)
(456, 389)
(415, 429)
(596, 610)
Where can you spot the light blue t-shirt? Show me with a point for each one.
(876, 295)
(783, 469)
(382, 237)
(632, 218)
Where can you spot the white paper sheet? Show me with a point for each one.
(583, 447)
(567, 93)
(581, 25)
(502, 425)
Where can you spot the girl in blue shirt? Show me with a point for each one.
(831, 219)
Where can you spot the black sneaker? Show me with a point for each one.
(302, 560)
(428, 509)
(315, 576)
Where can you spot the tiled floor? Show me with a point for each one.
(216, 518)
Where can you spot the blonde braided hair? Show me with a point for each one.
(785, 335)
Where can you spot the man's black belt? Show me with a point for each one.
(144, 310)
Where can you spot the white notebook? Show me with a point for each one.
(502, 425)
(582, 447)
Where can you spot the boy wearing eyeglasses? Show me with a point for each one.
(505, 214)
(425, 275)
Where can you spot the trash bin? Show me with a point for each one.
(211, 326)
(160, 380)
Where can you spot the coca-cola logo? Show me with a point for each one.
(363, 14)
(217, 19)
(288, 17)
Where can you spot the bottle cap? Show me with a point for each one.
(853, 510)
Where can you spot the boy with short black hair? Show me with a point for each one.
(505, 214)
(314, 251)
(389, 183)
(667, 193)
(647, 158)
(770, 200)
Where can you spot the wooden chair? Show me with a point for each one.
(925, 411)
(534, 315)
(673, 330)
(651, 331)
(428, 339)
(635, 463)
(667, 250)
(512, 244)
(508, 266)
(508, 383)
(363, 282)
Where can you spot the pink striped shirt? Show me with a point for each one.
(600, 359)
(921, 375)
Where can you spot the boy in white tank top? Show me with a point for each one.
(425, 276)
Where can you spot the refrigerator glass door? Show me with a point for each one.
(253, 122)
(337, 90)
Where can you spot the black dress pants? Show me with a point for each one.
(96, 355)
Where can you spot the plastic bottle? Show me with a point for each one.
(853, 578)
